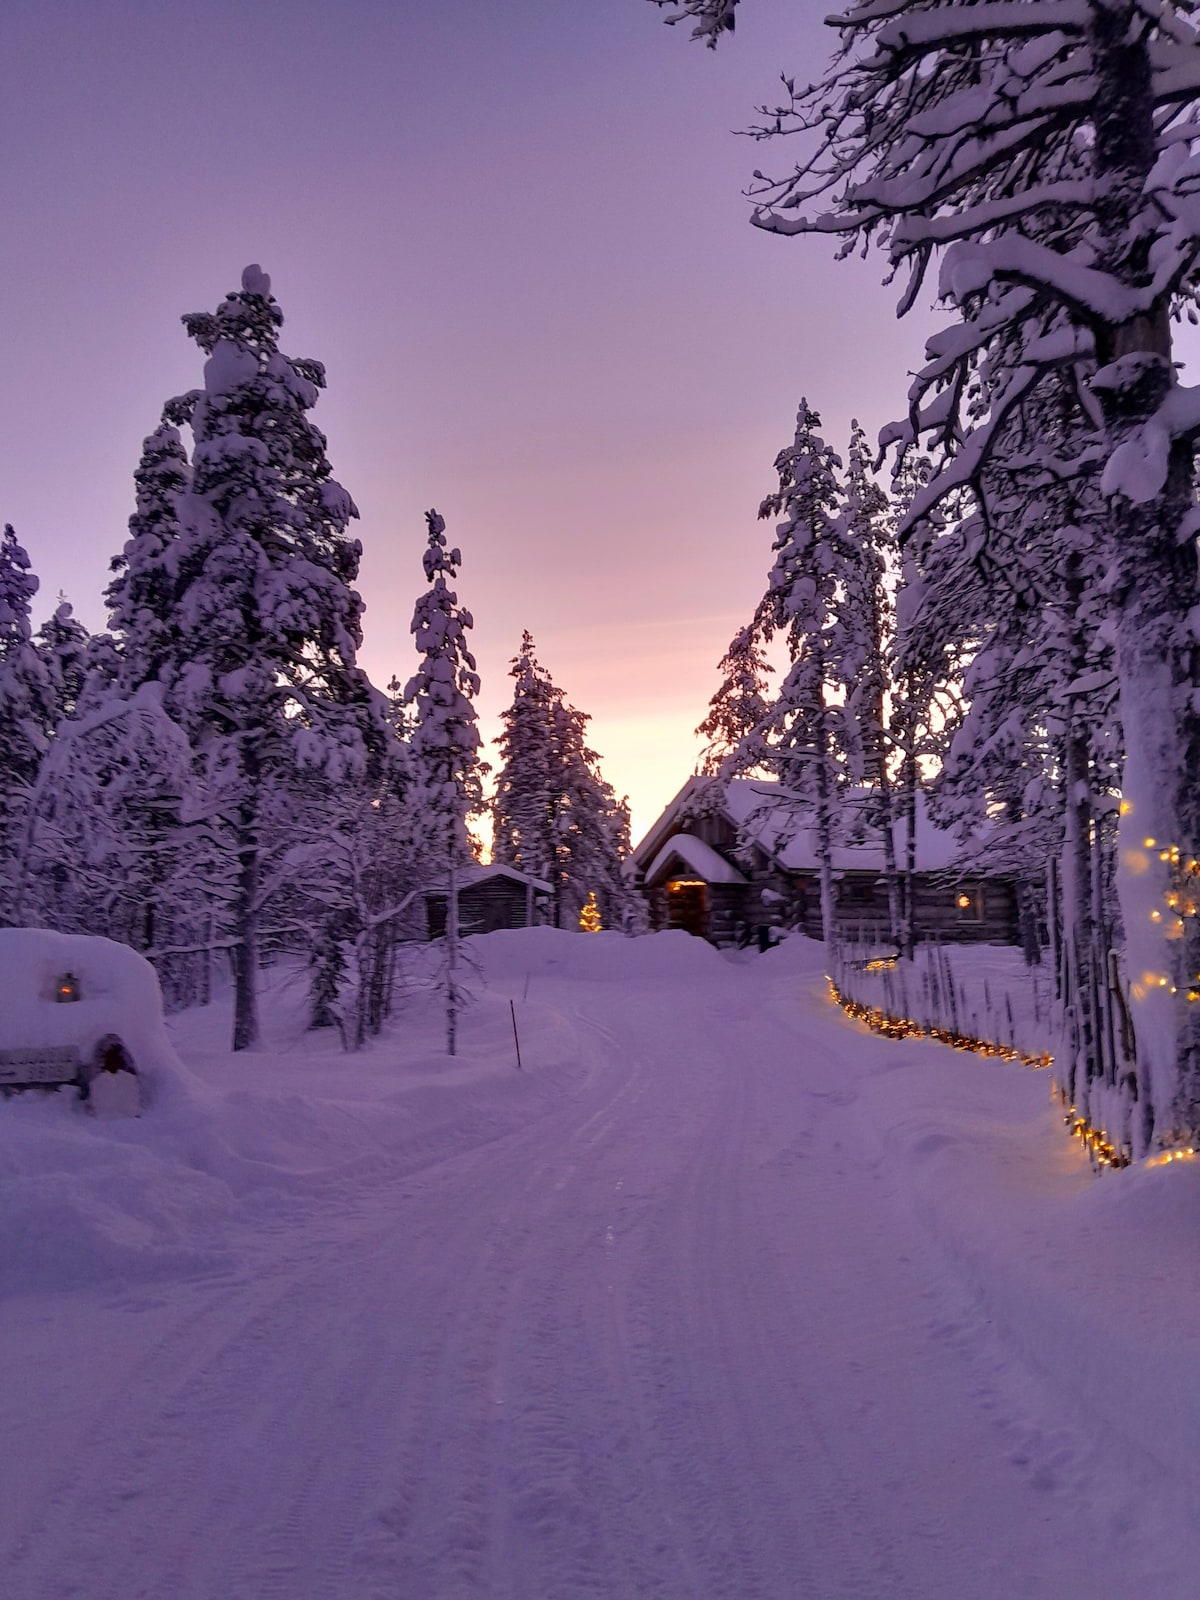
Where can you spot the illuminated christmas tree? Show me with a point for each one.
(589, 917)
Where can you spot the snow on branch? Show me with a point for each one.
(971, 267)
(1000, 19)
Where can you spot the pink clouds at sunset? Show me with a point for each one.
(514, 235)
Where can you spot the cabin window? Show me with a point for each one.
(857, 892)
(968, 902)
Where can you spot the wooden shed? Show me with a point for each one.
(489, 898)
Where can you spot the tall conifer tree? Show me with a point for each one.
(555, 815)
(236, 593)
(27, 711)
(740, 703)
(803, 740)
(447, 773)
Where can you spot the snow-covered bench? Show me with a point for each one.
(107, 1079)
(42, 1067)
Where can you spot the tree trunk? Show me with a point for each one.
(1157, 589)
(245, 911)
(908, 930)
(1077, 1051)
(245, 956)
(452, 951)
(825, 835)
(1027, 922)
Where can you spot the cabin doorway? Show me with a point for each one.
(687, 906)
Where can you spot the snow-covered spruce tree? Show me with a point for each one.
(1037, 751)
(740, 703)
(926, 704)
(353, 879)
(1048, 152)
(802, 739)
(591, 826)
(148, 581)
(62, 643)
(867, 633)
(27, 712)
(524, 806)
(554, 814)
(447, 772)
(255, 639)
(104, 839)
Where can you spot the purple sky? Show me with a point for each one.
(514, 233)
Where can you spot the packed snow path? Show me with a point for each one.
(653, 1319)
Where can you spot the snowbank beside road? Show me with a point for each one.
(1090, 1278)
(605, 957)
(228, 1138)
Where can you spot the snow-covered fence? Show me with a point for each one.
(980, 997)
(1096, 1070)
(984, 999)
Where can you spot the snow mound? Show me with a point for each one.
(1154, 1199)
(118, 994)
(600, 957)
(86, 1202)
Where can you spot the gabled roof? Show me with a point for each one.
(781, 824)
(477, 873)
(697, 857)
(669, 823)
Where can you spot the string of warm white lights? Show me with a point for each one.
(877, 964)
(906, 1028)
(1182, 901)
(1099, 1146)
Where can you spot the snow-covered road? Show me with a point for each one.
(661, 1316)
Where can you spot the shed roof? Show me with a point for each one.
(470, 877)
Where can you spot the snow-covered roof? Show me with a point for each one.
(781, 825)
(667, 824)
(698, 857)
(468, 877)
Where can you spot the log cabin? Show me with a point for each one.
(729, 858)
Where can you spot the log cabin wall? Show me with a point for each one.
(793, 900)
(482, 908)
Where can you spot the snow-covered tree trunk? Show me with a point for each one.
(1154, 548)
(823, 787)
(908, 933)
(1075, 876)
(453, 999)
(245, 911)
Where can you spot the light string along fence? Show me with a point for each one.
(925, 998)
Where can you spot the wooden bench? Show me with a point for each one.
(44, 1067)
(108, 1081)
